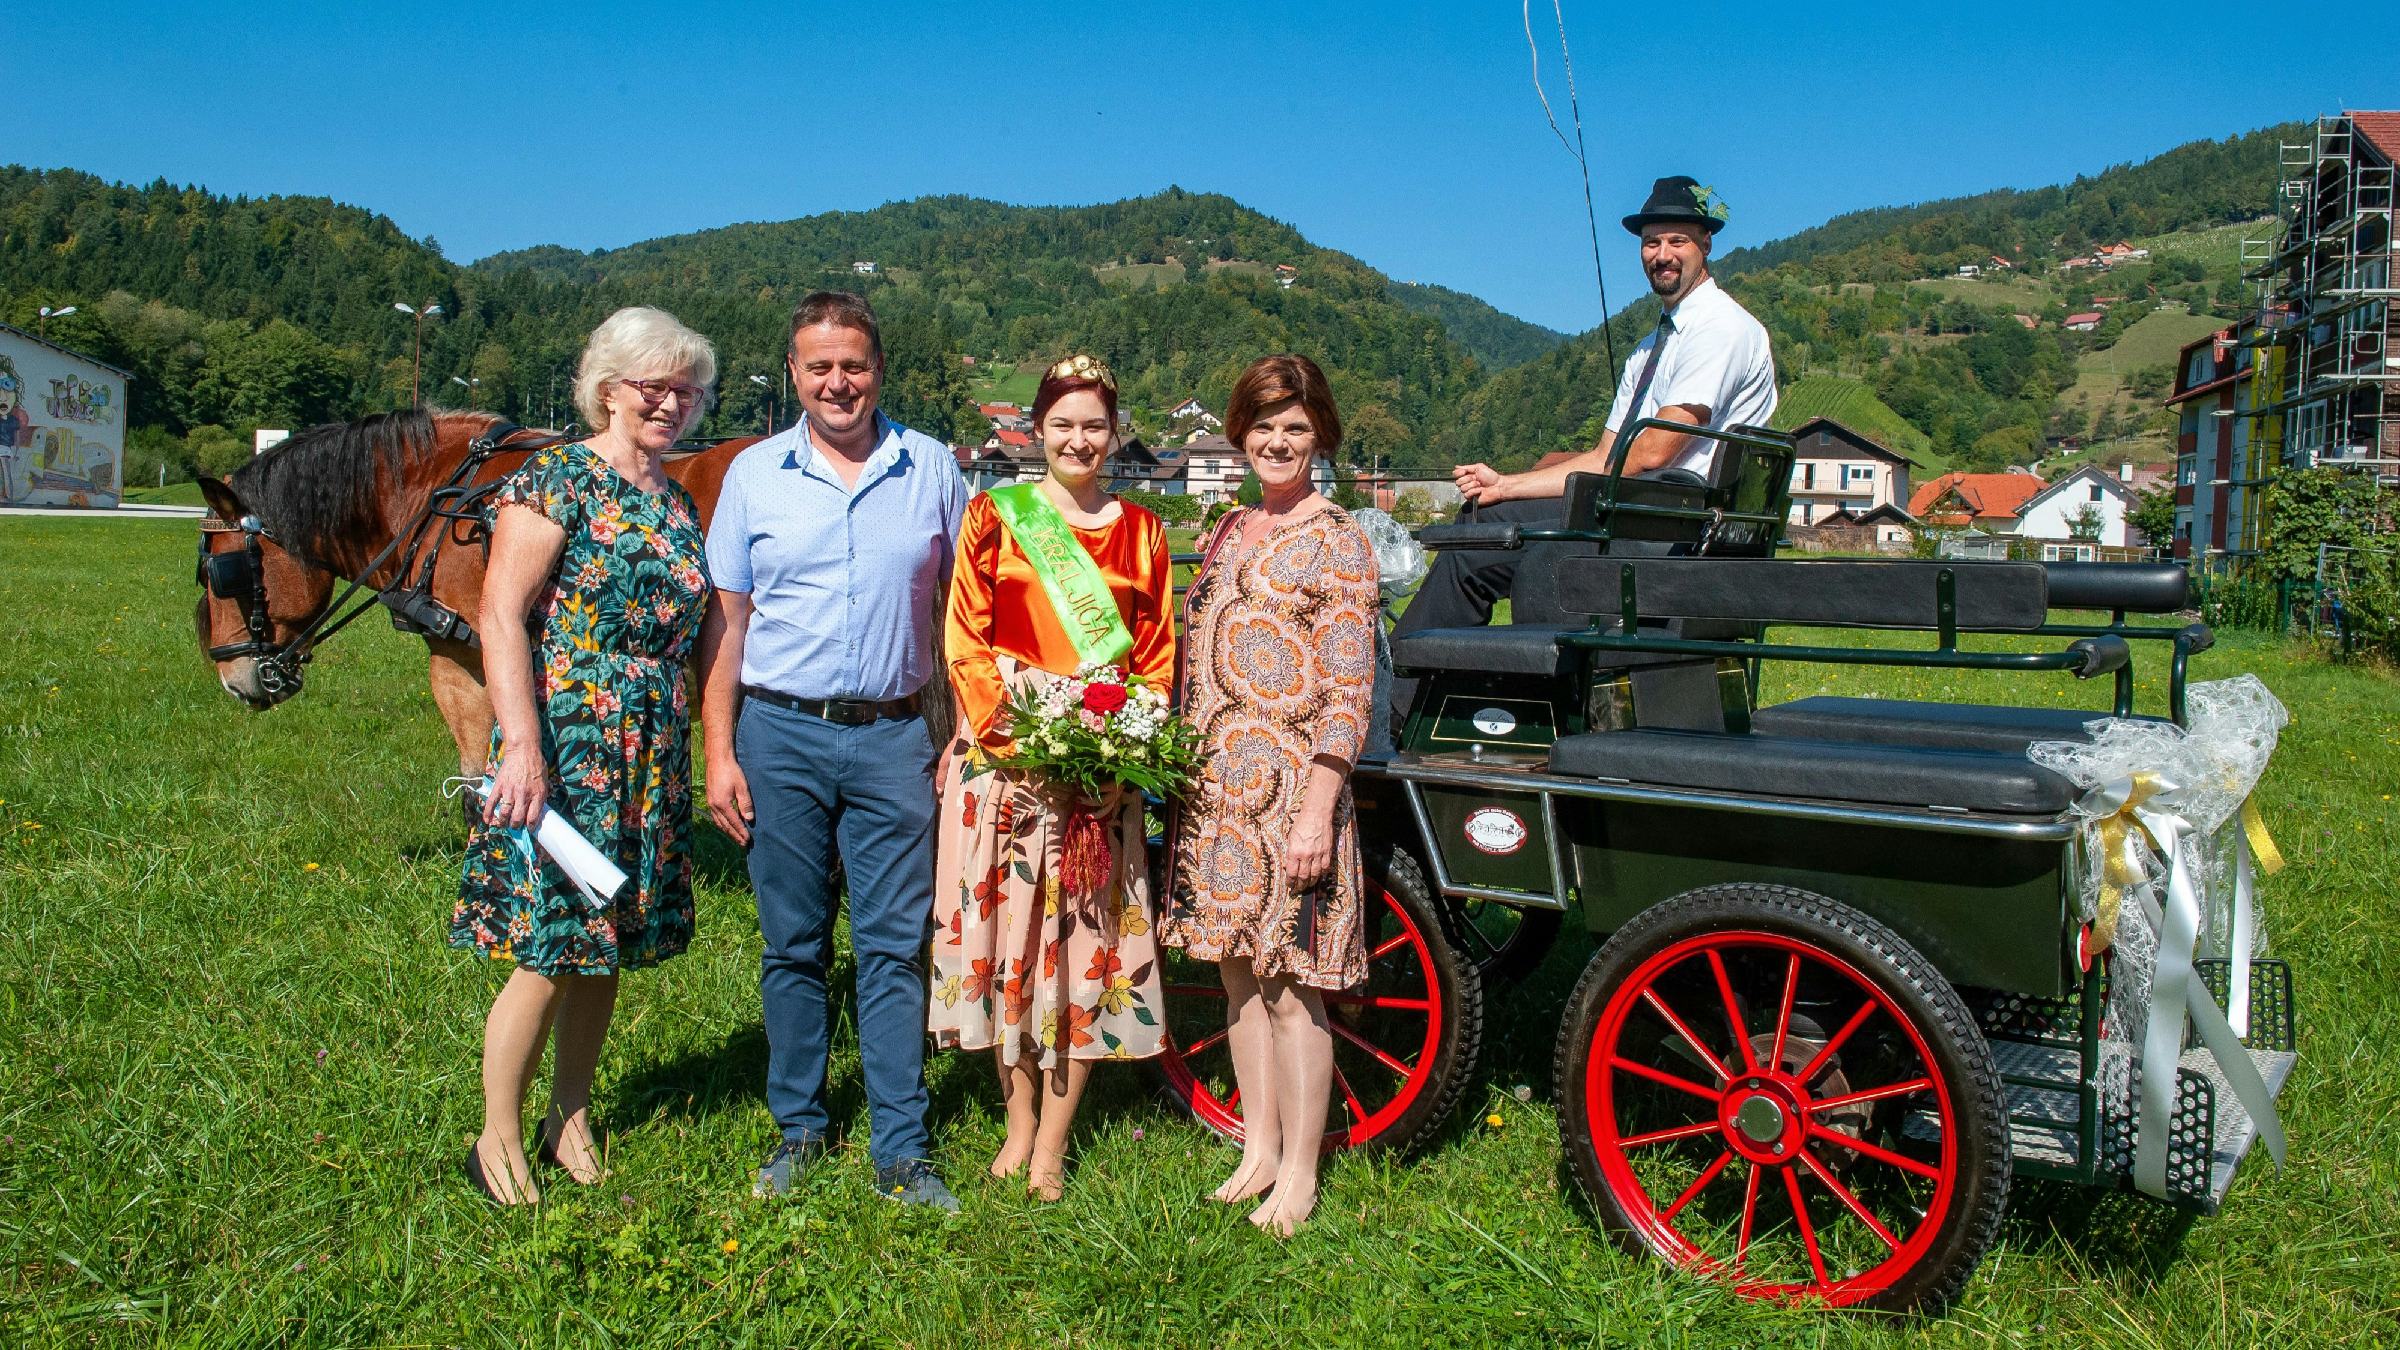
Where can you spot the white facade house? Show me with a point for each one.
(62, 425)
(2053, 513)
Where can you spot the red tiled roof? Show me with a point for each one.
(2382, 130)
(1008, 437)
(1988, 496)
(2083, 318)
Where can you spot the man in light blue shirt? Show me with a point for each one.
(830, 550)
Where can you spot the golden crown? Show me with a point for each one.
(1081, 367)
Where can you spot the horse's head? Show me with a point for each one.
(256, 598)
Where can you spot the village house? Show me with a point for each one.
(1836, 469)
(1192, 410)
(1213, 467)
(1982, 507)
(863, 267)
(2083, 323)
(2079, 514)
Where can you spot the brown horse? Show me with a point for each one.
(323, 508)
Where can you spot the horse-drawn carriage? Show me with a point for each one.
(1845, 986)
(1849, 980)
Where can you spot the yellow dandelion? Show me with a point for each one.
(308, 867)
(1494, 1120)
(732, 1245)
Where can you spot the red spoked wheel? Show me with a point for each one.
(1771, 1088)
(1405, 1045)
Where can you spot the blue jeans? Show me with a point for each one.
(871, 787)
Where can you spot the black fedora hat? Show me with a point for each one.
(1680, 200)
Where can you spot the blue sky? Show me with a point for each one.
(1404, 133)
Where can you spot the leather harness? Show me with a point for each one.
(452, 513)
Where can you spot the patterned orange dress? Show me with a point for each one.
(1279, 668)
(1016, 964)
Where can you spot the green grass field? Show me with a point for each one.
(240, 1072)
(1004, 383)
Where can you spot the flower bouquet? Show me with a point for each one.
(1088, 734)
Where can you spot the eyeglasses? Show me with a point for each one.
(654, 392)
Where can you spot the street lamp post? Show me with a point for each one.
(416, 357)
(42, 329)
(469, 386)
(769, 386)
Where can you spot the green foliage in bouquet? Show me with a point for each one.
(1097, 728)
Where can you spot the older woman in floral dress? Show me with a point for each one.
(1279, 676)
(1047, 979)
(591, 601)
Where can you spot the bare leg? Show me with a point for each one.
(512, 1048)
(1251, 1040)
(1046, 1178)
(583, 1013)
(1021, 1093)
(1304, 1083)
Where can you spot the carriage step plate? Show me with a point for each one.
(2043, 1116)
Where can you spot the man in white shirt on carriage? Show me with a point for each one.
(1706, 365)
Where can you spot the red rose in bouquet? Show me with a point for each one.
(1103, 698)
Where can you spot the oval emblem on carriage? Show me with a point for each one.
(1495, 721)
(1495, 831)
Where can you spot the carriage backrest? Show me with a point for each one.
(1993, 597)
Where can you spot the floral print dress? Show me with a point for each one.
(1018, 965)
(617, 625)
(1279, 668)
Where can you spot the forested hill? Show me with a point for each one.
(1177, 290)
(2193, 186)
(1497, 340)
(278, 311)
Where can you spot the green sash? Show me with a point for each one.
(1079, 595)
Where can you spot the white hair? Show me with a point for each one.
(639, 341)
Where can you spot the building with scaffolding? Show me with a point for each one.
(2313, 377)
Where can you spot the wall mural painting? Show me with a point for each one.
(62, 447)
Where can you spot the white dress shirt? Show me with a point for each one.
(1716, 358)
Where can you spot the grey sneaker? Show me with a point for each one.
(915, 1183)
(783, 1167)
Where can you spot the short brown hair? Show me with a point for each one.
(842, 309)
(1280, 379)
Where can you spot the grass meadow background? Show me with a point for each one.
(238, 1072)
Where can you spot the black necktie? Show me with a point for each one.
(1658, 349)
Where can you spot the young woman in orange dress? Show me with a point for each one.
(1047, 978)
(1279, 675)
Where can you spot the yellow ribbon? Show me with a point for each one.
(2262, 844)
(2120, 862)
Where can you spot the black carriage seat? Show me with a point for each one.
(1989, 781)
(2132, 588)
(1527, 645)
(1948, 726)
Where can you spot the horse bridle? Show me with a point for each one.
(242, 576)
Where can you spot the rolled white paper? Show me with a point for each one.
(584, 865)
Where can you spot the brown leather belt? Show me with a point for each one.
(848, 712)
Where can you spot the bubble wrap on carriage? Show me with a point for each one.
(2214, 765)
(1400, 563)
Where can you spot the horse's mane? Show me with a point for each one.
(322, 486)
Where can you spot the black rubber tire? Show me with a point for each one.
(1960, 1055)
(1457, 1054)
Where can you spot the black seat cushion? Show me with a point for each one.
(1949, 726)
(1848, 771)
(1509, 649)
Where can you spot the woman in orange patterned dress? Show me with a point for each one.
(1279, 678)
(1048, 980)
